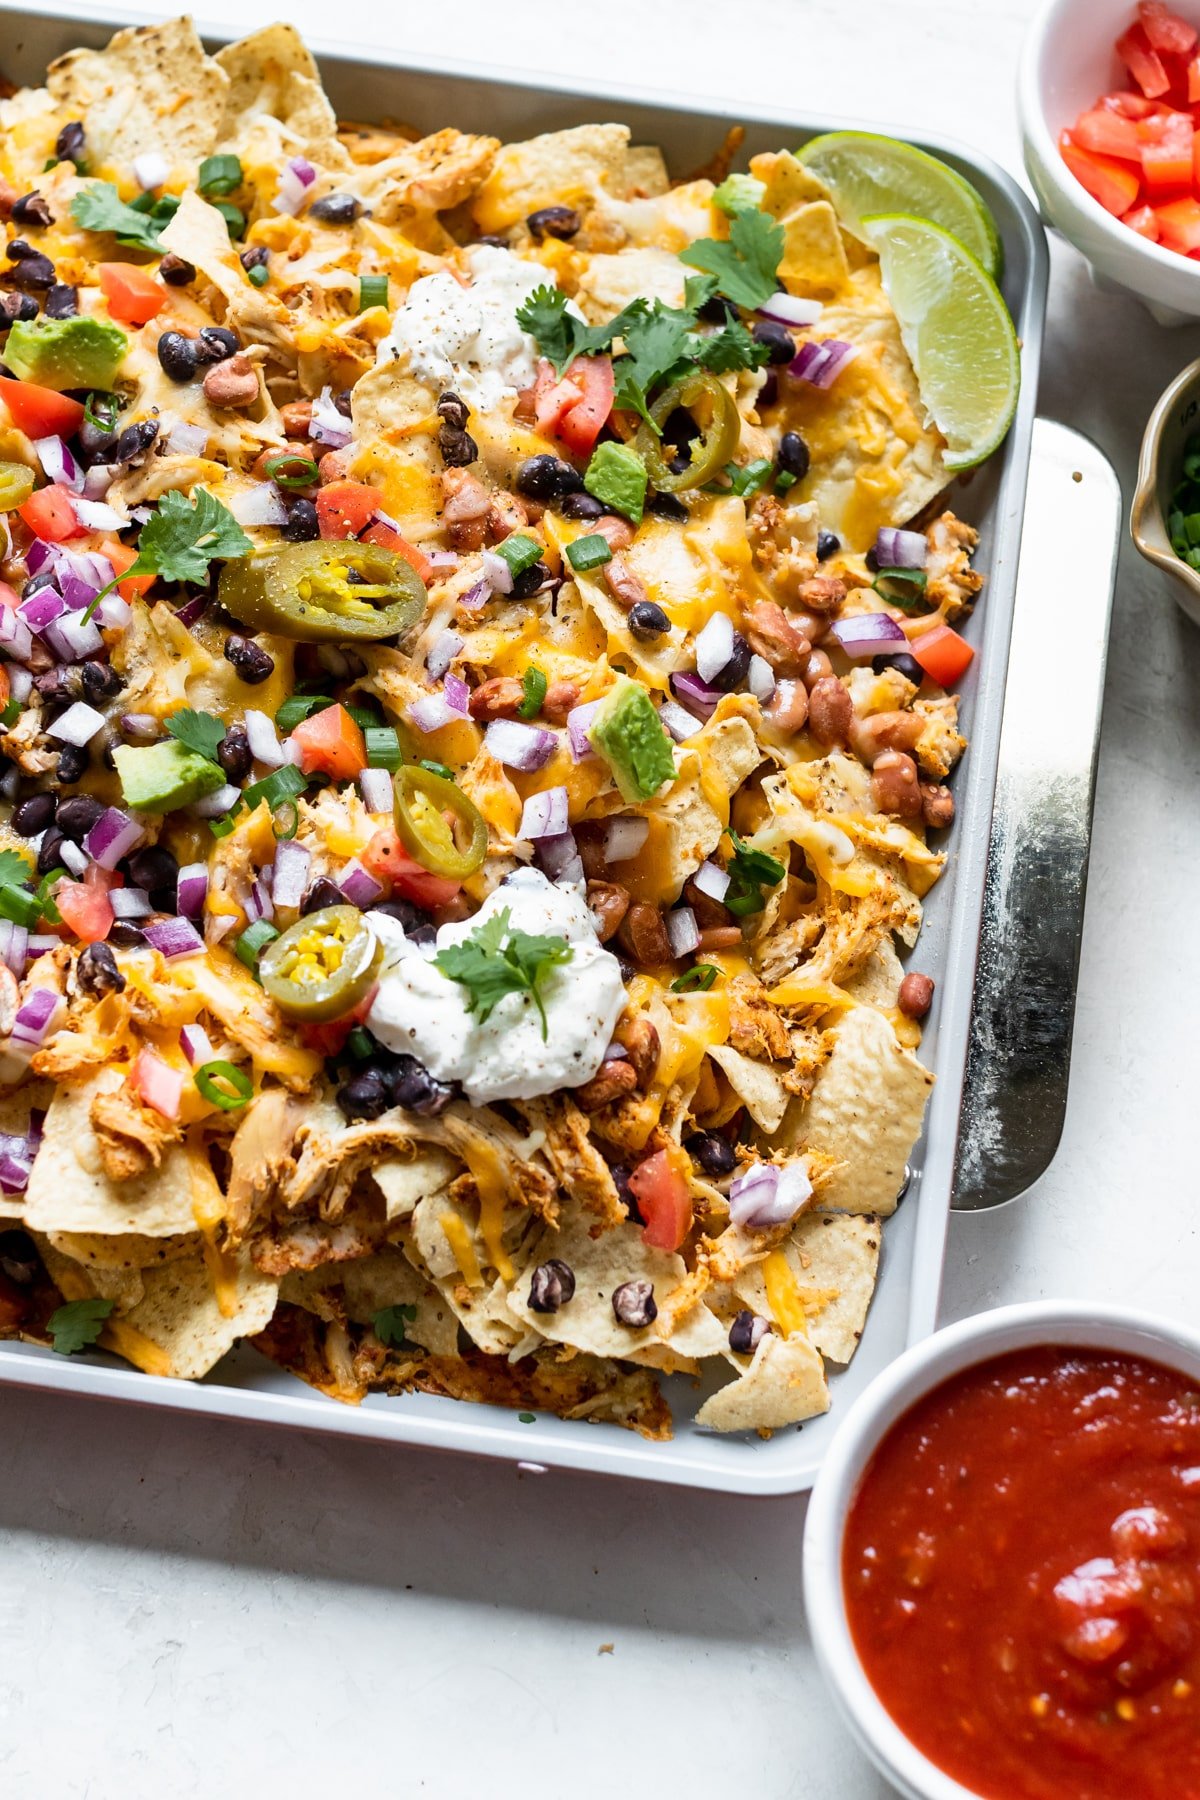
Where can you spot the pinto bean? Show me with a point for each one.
(821, 593)
(885, 731)
(453, 912)
(937, 805)
(772, 635)
(829, 711)
(817, 668)
(466, 509)
(643, 935)
(708, 911)
(612, 1081)
(506, 514)
(335, 464)
(296, 417)
(895, 786)
(561, 695)
(809, 625)
(609, 902)
(625, 587)
(787, 709)
(497, 698)
(915, 996)
(590, 838)
(232, 383)
(720, 937)
(617, 533)
(640, 1040)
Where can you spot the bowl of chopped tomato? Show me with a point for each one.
(1109, 99)
(1002, 1560)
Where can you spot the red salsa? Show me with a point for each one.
(1021, 1567)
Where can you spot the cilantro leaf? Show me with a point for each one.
(655, 340)
(199, 731)
(181, 540)
(746, 265)
(496, 960)
(725, 351)
(749, 871)
(14, 868)
(561, 336)
(390, 1326)
(533, 685)
(698, 290)
(99, 207)
(78, 1324)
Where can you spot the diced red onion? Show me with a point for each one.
(16, 638)
(292, 752)
(258, 904)
(187, 440)
(38, 1012)
(696, 694)
(20, 685)
(74, 638)
(215, 806)
(98, 479)
(518, 746)
(42, 608)
(624, 838)
(712, 880)
(14, 1172)
(438, 559)
(150, 169)
(196, 1046)
(303, 170)
(458, 695)
(328, 425)
(789, 309)
(767, 1195)
(298, 176)
(97, 515)
(677, 721)
(113, 613)
(760, 678)
(58, 464)
(141, 515)
(377, 790)
(38, 555)
(113, 836)
(559, 857)
(714, 646)
(868, 634)
(292, 864)
(360, 888)
(499, 575)
(130, 903)
(72, 857)
(262, 504)
(78, 725)
(144, 728)
(260, 734)
(475, 597)
(544, 815)
(42, 944)
(191, 889)
(682, 930)
(442, 653)
(13, 947)
(430, 713)
(821, 364)
(616, 1053)
(896, 549)
(579, 723)
(173, 938)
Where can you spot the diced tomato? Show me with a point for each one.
(1143, 63)
(1112, 183)
(84, 906)
(123, 556)
(580, 425)
(156, 1083)
(1129, 105)
(132, 293)
(1165, 30)
(386, 858)
(39, 411)
(1179, 224)
(329, 1037)
(382, 534)
(943, 654)
(1142, 220)
(344, 508)
(553, 398)
(9, 597)
(49, 514)
(1166, 152)
(1193, 80)
(663, 1200)
(1108, 134)
(331, 744)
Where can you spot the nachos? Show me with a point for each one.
(478, 663)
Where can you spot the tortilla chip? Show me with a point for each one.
(645, 171)
(784, 1384)
(814, 259)
(722, 755)
(272, 73)
(758, 1085)
(68, 1190)
(152, 88)
(609, 283)
(405, 1181)
(78, 1281)
(866, 1111)
(560, 168)
(828, 1253)
(368, 1286)
(877, 982)
(133, 1251)
(787, 182)
(178, 1329)
(484, 1315)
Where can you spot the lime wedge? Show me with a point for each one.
(956, 330)
(868, 174)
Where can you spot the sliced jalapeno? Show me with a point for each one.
(324, 591)
(712, 406)
(422, 798)
(323, 965)
(16, 485)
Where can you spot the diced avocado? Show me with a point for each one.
(158, 777)
(66, 353)
(617, 475)
(628, 734)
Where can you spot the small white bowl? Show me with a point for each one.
(868, 1421)
(1066, 64)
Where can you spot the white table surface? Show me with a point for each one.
(196, 1609)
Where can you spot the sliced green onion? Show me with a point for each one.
(233, 216)
(259, 275)
(383, 747)
(280, 785)
(291, 470)
(102, 411)
(589, 553)
(222, 827)
(11, 713)
(50, 912)
(220, 175)
(372, 291)
(285, 821)
(253, 942)
(360, 1044)
(752, 479)
(520, 553)
(699, 977)
(437, 768)
(298, 707)
(209, 1074)
(784, 480)
(365, 717)
(19, 905)
(904, 588)
(534, 684)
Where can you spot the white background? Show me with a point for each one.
(198, 1609)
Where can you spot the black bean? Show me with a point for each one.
(582, 506)
(32, 209)
(647, 619)
(780, 345)
(302, 522)
(73, 761)
(717, 310)
(633, 1304)
(215, 343)
(97, 442)
(621, 1172)
(553, 221)
(69, 144)
(453, 410)
(233, 753)
(792, 456)
(47, 856)
(62, 302)
(250, 661)
(33, 270)
(97, 972)
(551, 1285)
(16, 306)
(153, 867)
(256, 257)
(344, 402)
(364, 1096)
(100, 682)
(490, 237)
(413, 1087)
(176, 271)
(458, 448)
(872, 560)
(768, 393)
(77, 815)
(125, 934)
(424, 936)
(547, 478)
(908, 666)
(43, 579)
(668, 506)
(527, 583)
(322, 893)
(680, 429)
(34, 815)
(177, 356)
(18, 1257)
(713, 1152)
(736, 669)
(828, 544)
(747, 1332)
(135, 440)
(336, 209)
(409, 917)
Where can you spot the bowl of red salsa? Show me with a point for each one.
(1002, 1560)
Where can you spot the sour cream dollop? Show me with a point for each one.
(467, 338)
(421, 1012)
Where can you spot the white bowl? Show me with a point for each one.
(867, 1422)
(1067, 62)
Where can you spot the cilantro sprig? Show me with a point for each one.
(562, 335)
(198, 731)
(746, 264)
(749, 871)
(390, 1326)
(497, 960)
(78, 1324)
(99, 207)
(181, 540)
